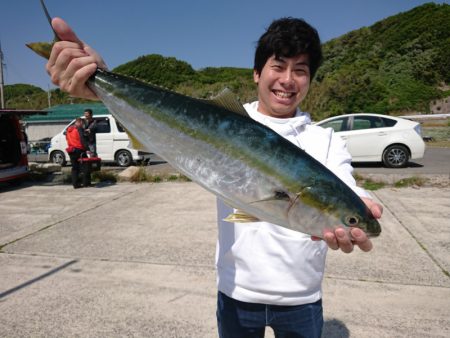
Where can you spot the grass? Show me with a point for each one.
(371, 184)
(368, 183)
(144, 176)
(440, 132)
(415, 181)
(104, 176)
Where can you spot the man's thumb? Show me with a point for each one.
(63, 31)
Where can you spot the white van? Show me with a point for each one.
(113, 144)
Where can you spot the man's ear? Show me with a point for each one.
(255, 76)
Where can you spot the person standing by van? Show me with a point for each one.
(76, 146)
(90, 129)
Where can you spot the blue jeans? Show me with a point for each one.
(236, 319)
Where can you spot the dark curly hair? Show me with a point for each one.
(288, 37)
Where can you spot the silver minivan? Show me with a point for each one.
(113, 144)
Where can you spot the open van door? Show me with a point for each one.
(13, 144)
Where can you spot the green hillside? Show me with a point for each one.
(181, 77)
(25, 96)
(395, 66)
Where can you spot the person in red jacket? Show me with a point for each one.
(76, 147)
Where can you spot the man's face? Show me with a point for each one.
(282, 85)
(87, 116)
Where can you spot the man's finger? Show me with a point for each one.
(344, 241)
(375, 208)
(330, 239)
(360, 239)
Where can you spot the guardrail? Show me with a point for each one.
(424, 117)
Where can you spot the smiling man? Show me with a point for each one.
(266, 275)
(282, 84)
(269, 276)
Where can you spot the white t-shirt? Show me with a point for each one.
(264, 263)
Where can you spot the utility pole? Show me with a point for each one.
(2, 98)
(49, 96)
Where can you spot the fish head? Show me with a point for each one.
(314, 212)
(365, 221)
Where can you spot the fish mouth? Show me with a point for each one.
(374, 229)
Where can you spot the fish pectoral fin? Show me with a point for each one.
(226, 99)
(240, 217)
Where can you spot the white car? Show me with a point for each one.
(113, 144)
(379, 138)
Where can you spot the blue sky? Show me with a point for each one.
(203, 33)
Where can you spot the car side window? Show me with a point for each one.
(367, 122)
(389, 122)
(336, 124)
(103, 125)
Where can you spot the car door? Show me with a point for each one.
(104, 138)
(366, 137)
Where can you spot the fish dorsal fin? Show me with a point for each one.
(226, 99)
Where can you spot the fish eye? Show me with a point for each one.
(351, 220)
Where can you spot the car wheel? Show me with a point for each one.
(58, 157)
(396, 156)
(123, 158)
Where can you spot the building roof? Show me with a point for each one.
(22, 112)
(67, 112)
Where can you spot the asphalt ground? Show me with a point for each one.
(435, 162)
(137, 260)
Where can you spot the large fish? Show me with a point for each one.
(248, 165)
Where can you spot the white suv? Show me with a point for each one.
(113, 144)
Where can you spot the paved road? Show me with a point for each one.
(436, 161)
(137, 260)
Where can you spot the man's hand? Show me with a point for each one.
(346, 240)
(72, 62)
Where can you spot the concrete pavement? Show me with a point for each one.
(138, 260)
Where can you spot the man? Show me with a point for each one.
(76, 146)
(267, 275)
(90, 130)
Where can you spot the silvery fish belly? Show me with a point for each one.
(246, 164)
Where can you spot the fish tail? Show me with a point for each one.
(44, 48)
